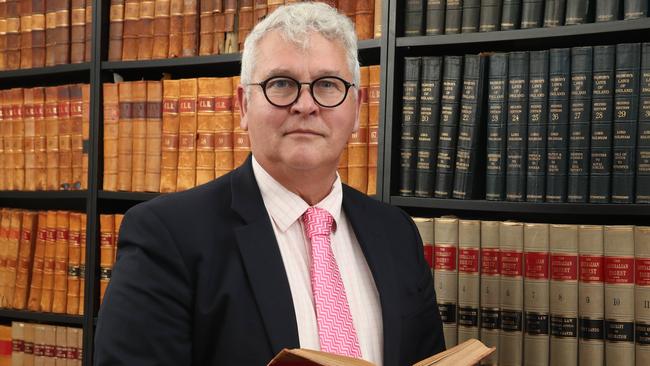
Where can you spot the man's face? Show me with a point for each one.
(303, 136)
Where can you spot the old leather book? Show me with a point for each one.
(139, 135)
(47, 287)
(82, 263)
(363, 18)
(18, 139)
(65, 137)
(29, 142)
(25, 34)
(358, 143)
(206, 26)
(62, 33)
(115, 30)
(245, 21)
(125, 136)
(88, 30)
(60, 288)
(154, 136)
(85, 134)
(76, 135)
(175, 28)
(224, 146)
(111, 118)
(131, 32)
(3, 34)
(190, 38)
(38, 33)
(169, 143)
(106, 249)
(73, 270)
(260, 9)
(50, 32)
(35, 286)
(241, 143)
(231, 44)
(13, 35)
(187, 135)
(145, 30)
(205, 130)
(160, 29)
(40, 139)
(219, 24)
(10, 258)
(373, 127)
(273, 4)
(51, 138)
(77, 31)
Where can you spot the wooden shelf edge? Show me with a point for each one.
(45, 71)
(49, 318)
(172, 62)
(39, 195)
(127, 196)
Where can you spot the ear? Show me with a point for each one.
(243, 107)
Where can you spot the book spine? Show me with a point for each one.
(154, 137)
(49, 262)
(490, 18)
(577, 12)
(427, 137)
(517, 126)
(125, 136)
(469, 247)
(619, 295)
(554, 13)
(107, 243)
(245, 21)
(115, 30)
(190, 35)
(138, 135)
(602, 109)
(175, 28)
(490, 319)
(445, 275)
(5, 228)
(537, 122)
(17, 343)
(219, 23)
(3, 34)
(225, 125)
(260, 10)
(635, 9)
(231, 25)
(558, 124)
(471, 14)
(532, 14)
(169, 147)
(564, 294)
(511, 238)
(111, 136)
(82, 263)
(414, 17)
(76, 135)
(19, 140)
(496, 127)
(377, 19)
(130, 33)
(642, 294)
(374, 91)
(451, 87)
(25, 34)
(363, 18)
(30, 139)
(40, 140)
(410, 116)
(88, 31)
(2, 139)
(74, 253)
(579, 117)
(358, 142)
(241, 142)
(643, 143)
(591, 296)
(626, 112)
(425, 229)
(145, 34)
(38, 33)
(453, 16)
(85, 134)
(13, 35)
(36, 283)
(206, 27)
(77, 31)
(52, 138)
(62, 38)
(205, 130)
(536, 294)
(187, 135)
(60, 289)
(10, 258)
(510, 14)
(607, 10)
(160, 29)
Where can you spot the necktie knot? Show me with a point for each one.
(318, 222)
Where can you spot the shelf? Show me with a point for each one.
(127, 196)
(44, 200)
(49, 318)
(40, 195)
(173, 62)
(68, 73)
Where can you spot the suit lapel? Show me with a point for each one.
(263, 261)
(375, 249)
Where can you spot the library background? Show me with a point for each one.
(516, 133)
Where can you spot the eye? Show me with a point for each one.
(279, 84)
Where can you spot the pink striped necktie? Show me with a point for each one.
(335, 328)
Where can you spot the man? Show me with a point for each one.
(278, 253)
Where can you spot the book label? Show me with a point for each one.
(445, 258)
(619, 331)
(536, 324)
(619, 270)
(468, 316)
(511, 263)
(18, 345)
(511, 321)
(536, 265)
(591, 268)
(490, 318)
(642, 271)
(468, 260)
(564, 327)
(447, 313)
(428, 254)
(490, 261)
(592, 329)
(642, 334)
(564, 267)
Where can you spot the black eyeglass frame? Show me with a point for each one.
(347, 85)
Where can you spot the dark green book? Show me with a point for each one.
(510, 14)
(435, 23)
(635, 9)
(490, 19)
(643, 148)
(607, 10)
(577, 12)
(517, 126)
(471, 16)
(532, 14)
(554, 13)
(557, 142)
(497, 111)
(410, 117)
(453, 16)
(537, 120)
(414, 17)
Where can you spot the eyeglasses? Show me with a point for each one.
(283, 91)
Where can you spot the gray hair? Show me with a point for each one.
(295, 22)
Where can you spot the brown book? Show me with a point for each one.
(231, 43)
(206, 26)
(3, 134)
(111, 120)
(116, 234)
(187, 135)
(5, 227)
(74, 257)
(124, 136)
(273, 4)
(77, 31)
(190, 35)
(25, 259)
(65, 137)
(13, 35)
(175, 28)
(106, 249)
(160, 29)
(219, 25)
(85, 133)
(88, 30)
(364, 20)
(246, 21)
(7, 132)
(29, 344)
(373, 127)
(169, 142)
(18, 139)
(3, 34)
(52, 137)
(358, 144)
(115, 30)
(10, 259)
(224, 146)
(40, 139)
(260, 10)
(348, 7)
(377, 19)
(47, 288)
(138, 134)
(25, 34)
(62, 33)
(29, 143)
(38, 33)
(241, 142)
(154, 136)
(36, 283)
(76, 134)
(205, 130)
(60, 289)
(145, 30)
(82, 264)
(130, 33)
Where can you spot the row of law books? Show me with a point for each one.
(559, 125)
(39, 33)
(436, 17)
(548, 294)
(42, 260)
(109, 230)
(25, 344)
(44, 134)
(155, 29)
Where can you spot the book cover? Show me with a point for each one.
(554, 13)
(434, 17)
(88, 31)
(77, 31)
(25, 259)
(536, 294)
(38, 33)
(607, 10)
(224, 129)
(425, 229)
(510, 14)
(642, 294)
(154, 137)
(190, 34)
(490, 19)
(25, 34)
(445, 275)
(511, 246)
(175, 28)
(471, 16)
(374, 90)
(111, 136)
(65, 137)
(414, 17)
(49, 259)
(18, 132)
(52, 137)
(76, 136)
(17, 343)
(169, 147)
(537, 123)
(62, 35)
(453, 16)
(60, 289)
(13, 35)
(85, 133)
(410, 117)
(643, 143)
(591, 296)
(160, 29)
(74, 258)
(10, 258)
(115, 30)
(245, 21)
(138, 135)
(497, 114)
(145, 29)
(490, 296)
(206, 26)
(358, 142)
(36, 282)
(82, 264)
(187, 135)
(577, 12)
(205, 130)
(125, 136)
(106, 249)
(532, 14)
(518, 63)
(558, 124)
(241, 142)
(130, 32)
(469, 288)
(363, 18)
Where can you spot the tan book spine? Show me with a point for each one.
(241, 142)
(30, 140)
(47, 290)
(39, 345)
(72, 335)
(36, 283)
(246, 21)
(347, 7)
(10, 260)
(40, 139)
(82, 264)
(445, 275)
(224, 143)
(111, 135)
(642, 294)
(85, 133)
(377, 19)
(274, 4)
(74, 254)
(130, 33)
(373, 127)
(2, 140)
(160, 29)
(5, 229)
(50, 32)
(169, 143)
(38, 33)
(175, 28)
(5, 340)
(25, 34)
(62, 37)
(88, 31)
(219, 24)
(3, 34)
(116, 234)
(619, 295)
(76, 135)
(205, 130)
(139, 135)
(18, 131)
(145, 34)
(61, 346)
(358, 143)
(77, 31)
(591, 296)
(65, 137)
(206, 19)
(425, 228)
(125, 136)
(154, 136)
(364, 20)
(60, 288)
(29, 345)
(190, 33)
(17, 343)
(52, 137)
(106, 249)
(187, 135)
(260, 11)
(231, 43)
(25, 259)
(469, 288)
(115, 31)
(536, 294)
(13, 34)
(49, 348)
(7, 132)
(511, 245)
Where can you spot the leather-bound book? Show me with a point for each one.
(536, 294)
(341, 168)
(537, 123)
(363, 18)
(246, 21)
(49, 349)
(445, 275)
(241, 142)
(510, 14)
(65, 137)
(145, 29)
(17, 343)
(62, 33)
(29, 344)
(274, 4)
(25, 34)
(175, 28)
(206, 126)
(5, 227)
(85, 134)
(74, 254)
(224, 127)
(5, 133)
(36, 282)
(52, 137)
(190, 35)
(18, 139)
(554, 13)
(490, 16)
(532, 14)
(219, 24)
(414, 17)
(116, 234)
(125, 136)
(607, 10)
(231, 43)
(154, 136)
(169, 142)
(82, 263)
(471, 16)
(13, 35)
(73, 345)
(3, 34)
(40, 139)
(10, 258)
(260, 10)
(106, 248)
(61, 345)
(469, 288)
(187, 135)
(377, 19)
(76, 135)
(557, 142)
(77, 31)
(643, 144)
(38, 33)
(3, 126)
(111, 135)
(160, 29)
(409, 129)
(138, 135)
(577, 12)
(39, 344)
(425, 229)
(453, 16)
(60, 289)
(30, 139)
(358, 143)
(115, 30)
(591, 296)
(635, 9)
(130, 33)
(511, 237)
(88, 31)
(642, 293)
(373, 127)
(517, 126)
(490, 326)
(47, 288)
(206, 27)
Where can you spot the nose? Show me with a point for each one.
(305, 103)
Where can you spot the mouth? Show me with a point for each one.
(302, 133)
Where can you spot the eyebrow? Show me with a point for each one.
(280, 71)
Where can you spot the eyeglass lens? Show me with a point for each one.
(328, 91)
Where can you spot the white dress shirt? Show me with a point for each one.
(285, 210)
